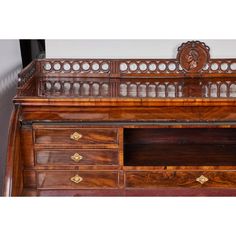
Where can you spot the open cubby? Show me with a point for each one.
(179, 147)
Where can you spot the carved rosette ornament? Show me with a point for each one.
(193, 56)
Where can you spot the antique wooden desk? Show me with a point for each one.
(126, 127)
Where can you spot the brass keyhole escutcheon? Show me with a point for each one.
(202, 179)
(76, 179)
(76, 157)
(76, 136)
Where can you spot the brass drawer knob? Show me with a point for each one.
(76, 179)
(76, 157)
(76, 136)
(202, 179)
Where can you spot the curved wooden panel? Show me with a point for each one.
(13, 183)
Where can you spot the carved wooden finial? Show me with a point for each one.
(193, 56)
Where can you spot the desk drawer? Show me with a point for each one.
(77, 179)
(75, 136)
(193, 179)
(76, 157)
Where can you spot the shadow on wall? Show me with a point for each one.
(8, 85)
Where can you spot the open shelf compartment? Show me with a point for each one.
(180, 147)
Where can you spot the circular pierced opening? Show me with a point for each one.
(152, 67)
(142, 66)
(57, 66)
(162, 66)
(233, 66)
(95, 66)
(85, 66)
(214, 66)
(66, 66)
(224, 66)
(76, 66)
(133, 67)
(105, 66)
(172, 66)
(47, 66)
(123, 66)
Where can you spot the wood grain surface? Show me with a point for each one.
(147, 127)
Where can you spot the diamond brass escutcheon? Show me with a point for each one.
(202, 179)
(76, 157)
(76, 136)
(76, 179)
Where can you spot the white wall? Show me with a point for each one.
(130, 48)
(10, 65)
(10, 55)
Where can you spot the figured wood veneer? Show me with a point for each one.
(63, 135)
(182, 179)
(90, 179)
(60, 157)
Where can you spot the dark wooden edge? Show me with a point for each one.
(101, 102)
(13, 155)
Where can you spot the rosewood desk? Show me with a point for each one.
(125, 127)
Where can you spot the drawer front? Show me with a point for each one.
(75, 136)
(77, 179)
(76, 157)
(195, 179)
